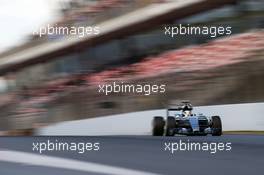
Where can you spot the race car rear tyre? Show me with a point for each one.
(158, 124)
(216, 126)
(170, 126)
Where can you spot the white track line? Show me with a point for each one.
(70, 164)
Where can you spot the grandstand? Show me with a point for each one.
(214, 54)
(58, 80)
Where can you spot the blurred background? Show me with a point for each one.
(45, 80)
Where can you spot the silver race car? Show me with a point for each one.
(181, 120)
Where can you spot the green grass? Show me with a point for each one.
(245, 132)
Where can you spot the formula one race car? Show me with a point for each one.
(180, 120)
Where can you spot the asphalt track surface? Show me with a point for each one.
(144, 154)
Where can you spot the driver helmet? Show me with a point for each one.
(187, 113)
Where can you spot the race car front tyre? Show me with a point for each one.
(158, 124)
(170, 126)
(216, 126)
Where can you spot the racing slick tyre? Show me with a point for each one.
(158, 124)
(170, 126)
(216, 126)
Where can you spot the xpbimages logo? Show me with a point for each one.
(80, 147)
(213, 147)
(55, 31)
(145, 89)
(212, 31)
